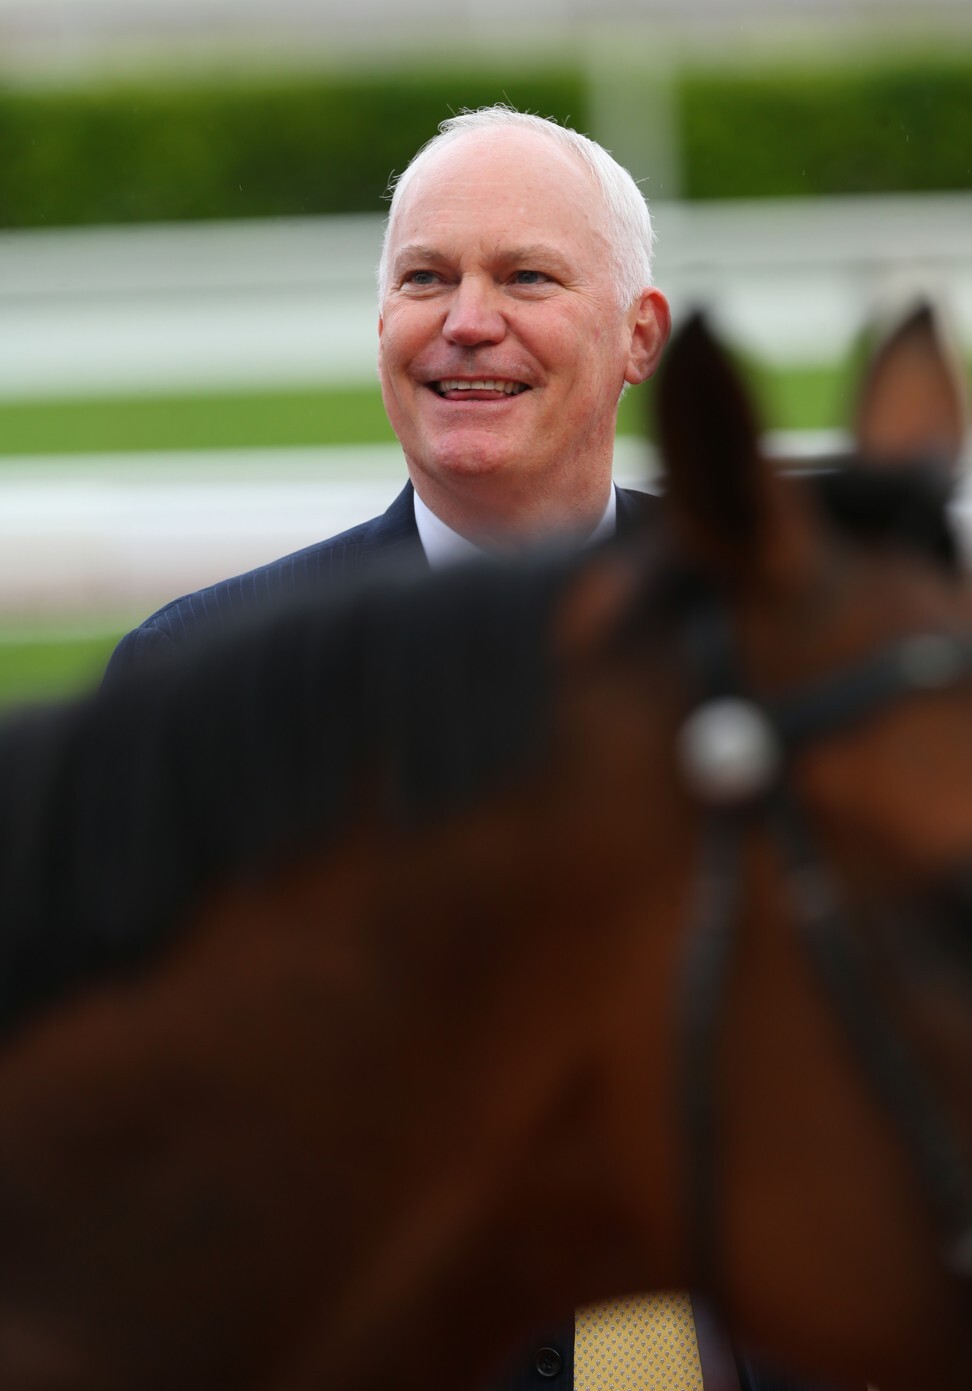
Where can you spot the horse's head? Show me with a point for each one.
(830, 753)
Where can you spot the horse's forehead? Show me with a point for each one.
(854, 600)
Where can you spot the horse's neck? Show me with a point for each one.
(425, 1085)
(526, 954)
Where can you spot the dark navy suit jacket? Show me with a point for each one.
(388, 541)
(392, 541)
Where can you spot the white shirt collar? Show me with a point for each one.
(443, 546)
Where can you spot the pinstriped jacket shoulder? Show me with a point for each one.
(391, 536)
(391, 539)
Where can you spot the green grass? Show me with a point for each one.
(805, 398)
(227, 420)
(813, 398)
(46, 665)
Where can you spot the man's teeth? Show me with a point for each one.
(487, 384)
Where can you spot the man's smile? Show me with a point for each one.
(484, 387)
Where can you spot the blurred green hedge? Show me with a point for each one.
(259, 148)
(237, 149)
(892, 128)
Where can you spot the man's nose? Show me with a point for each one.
(475, 313)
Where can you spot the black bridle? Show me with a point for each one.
(735, 753)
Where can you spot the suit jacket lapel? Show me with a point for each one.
(716, 1358)
(394, 534)
(396, 526)
(634, 509)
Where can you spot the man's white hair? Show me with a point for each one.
(629, 230)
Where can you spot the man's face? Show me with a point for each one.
(503, 349)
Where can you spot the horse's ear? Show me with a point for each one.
(730, 506)
(912, 404)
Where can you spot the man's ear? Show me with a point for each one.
(650, 328)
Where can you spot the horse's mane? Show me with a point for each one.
(411, 694)
(116, 812)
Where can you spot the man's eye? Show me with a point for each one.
(420, 278)
(530, 277)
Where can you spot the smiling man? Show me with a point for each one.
(515, 304)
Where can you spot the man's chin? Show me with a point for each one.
(471, 461)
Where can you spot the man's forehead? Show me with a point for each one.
(539, 254)
(505, 206)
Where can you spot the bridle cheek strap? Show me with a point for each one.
(735, 754)
(900, 1086)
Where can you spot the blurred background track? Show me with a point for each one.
(46, 33)
(292, 301)
(242, 308)
(187, 343)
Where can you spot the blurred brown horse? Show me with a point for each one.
(679, 998)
